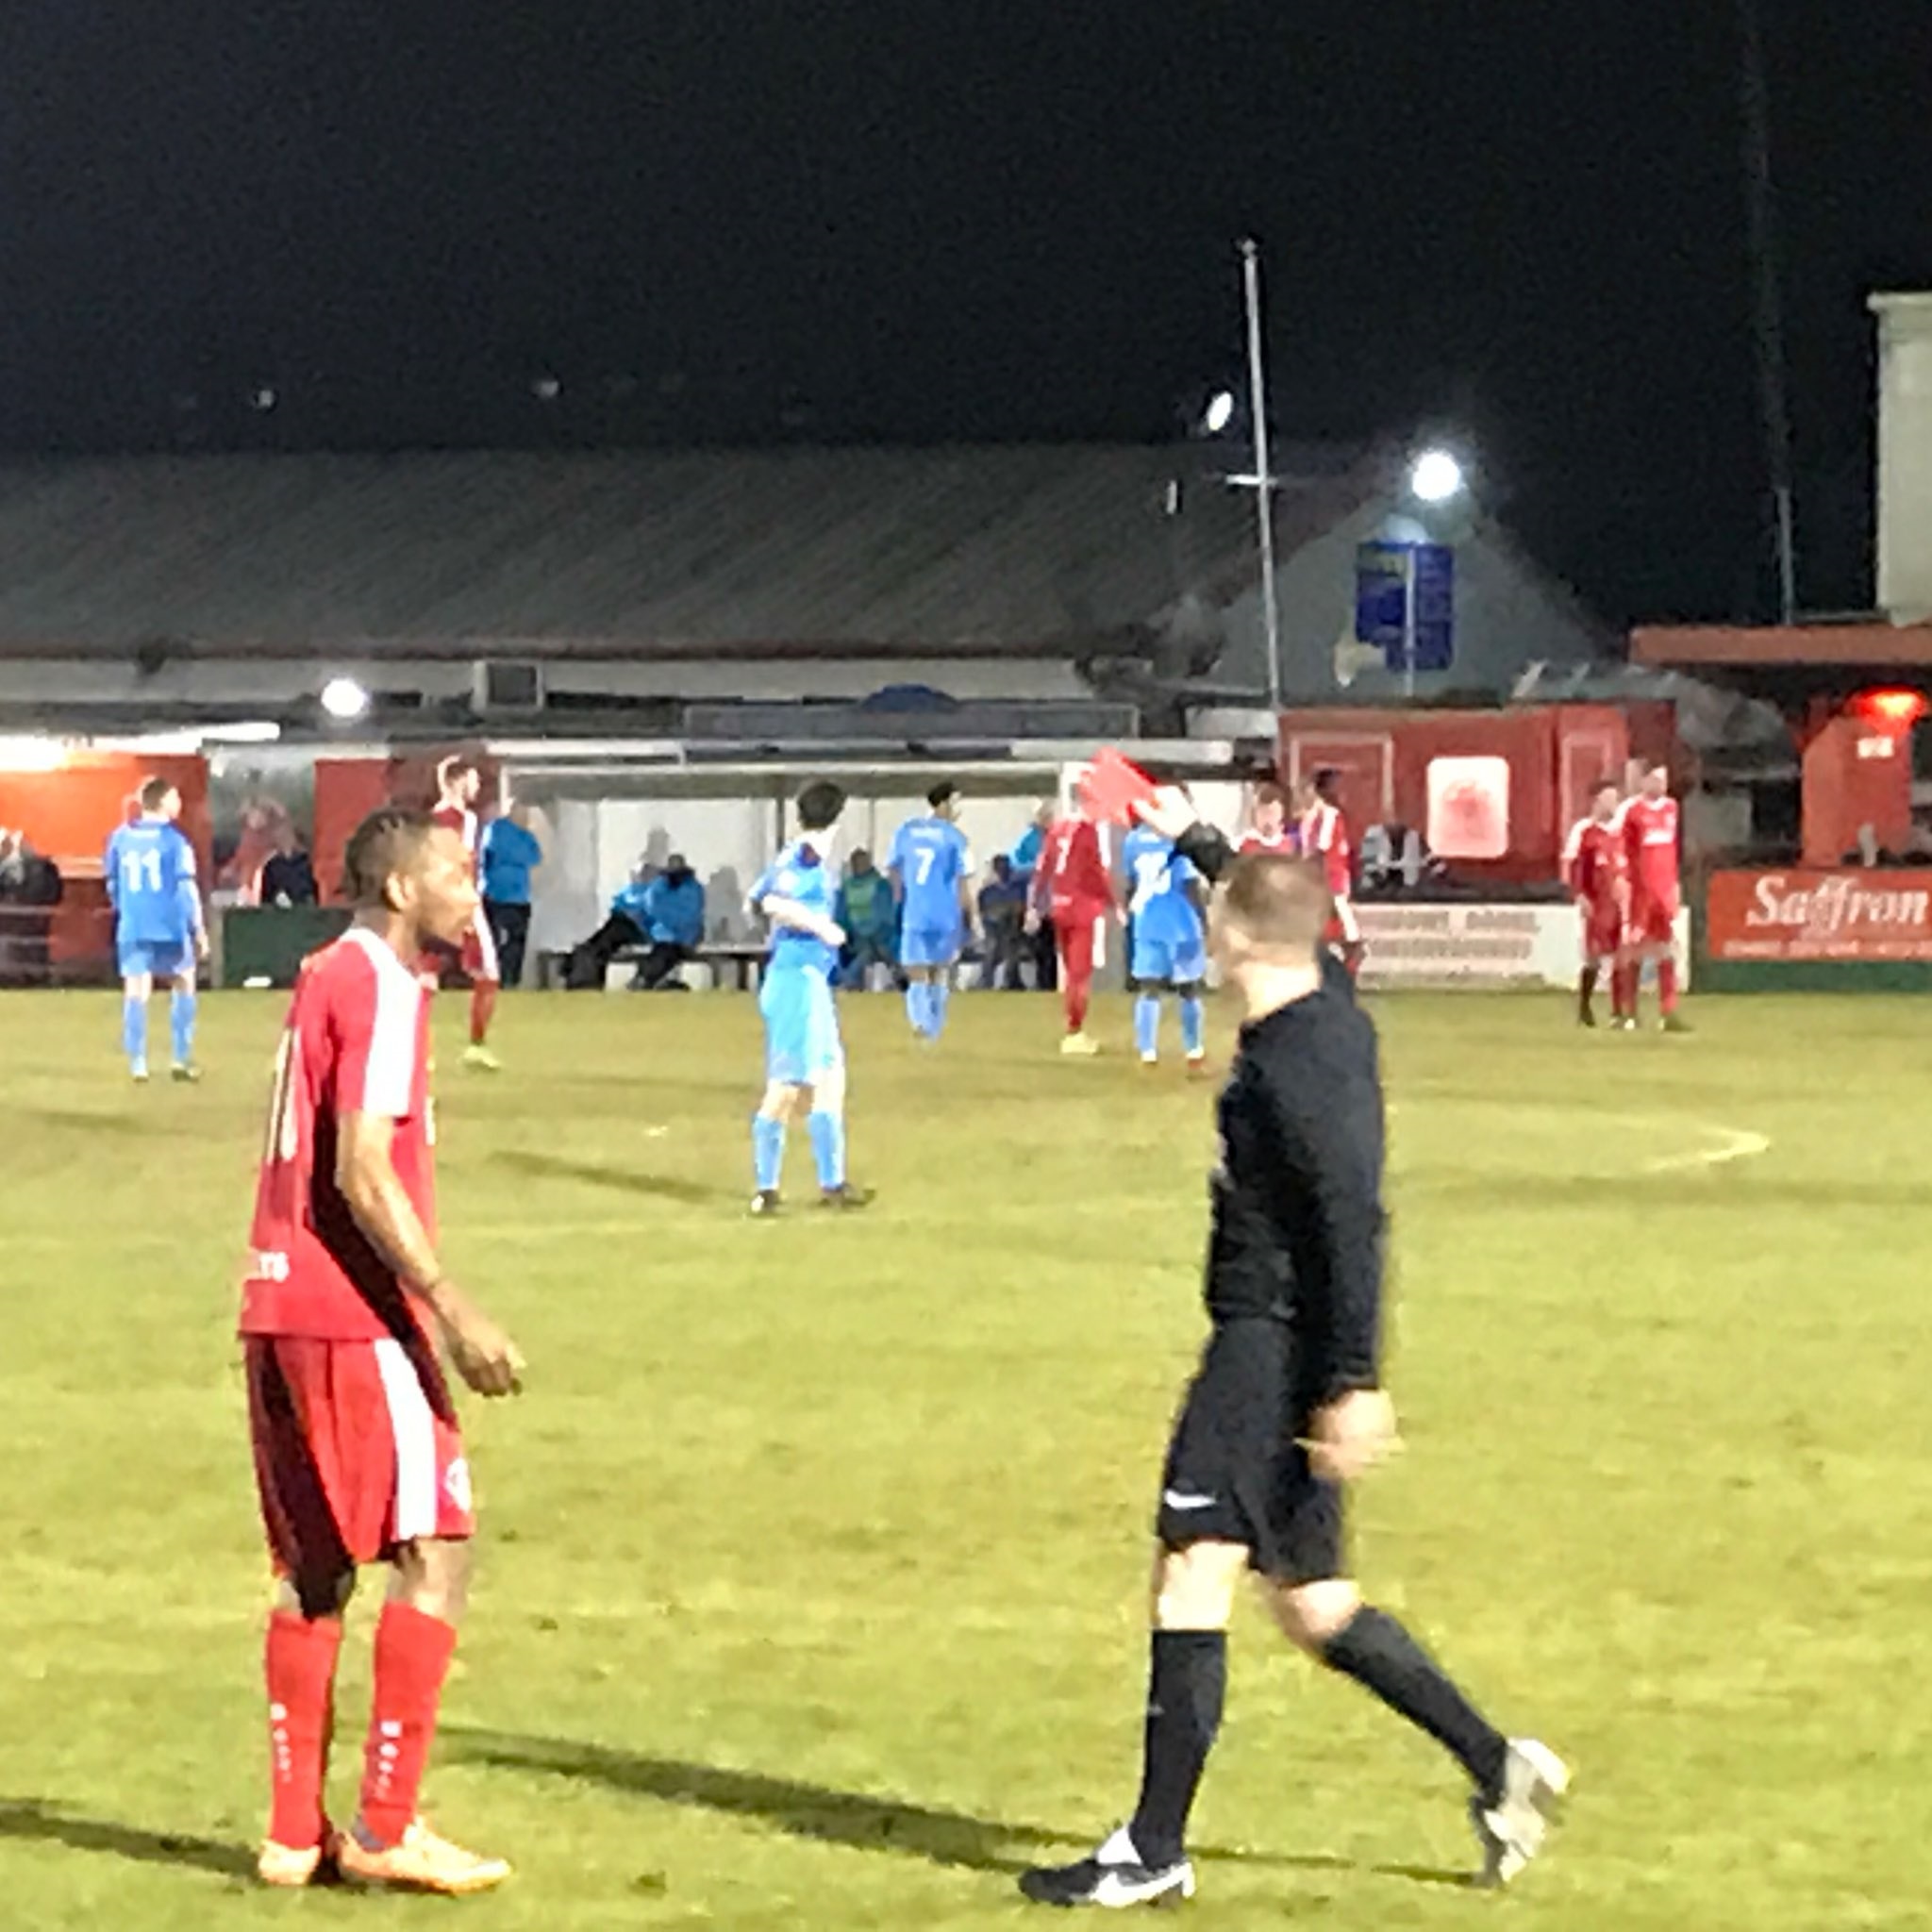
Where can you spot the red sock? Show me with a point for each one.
(1667, 986)
(300, 1666)
(1623, 991)
(412, 1654)
(482, 1008)
(1077, 990)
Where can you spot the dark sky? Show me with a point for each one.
(921, 219)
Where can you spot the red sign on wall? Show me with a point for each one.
(1803, 914)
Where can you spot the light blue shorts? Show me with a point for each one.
(1158, 961)
(159, 959)
(802, 1044)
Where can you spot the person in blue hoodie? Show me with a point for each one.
(673, 922)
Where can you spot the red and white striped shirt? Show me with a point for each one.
(1324, 836)
(356, 1041)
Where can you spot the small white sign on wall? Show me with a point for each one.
(1469, 807)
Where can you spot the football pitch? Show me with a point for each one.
(810, 1586)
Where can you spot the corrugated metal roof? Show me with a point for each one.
(1021, 546)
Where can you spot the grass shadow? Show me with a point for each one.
(655, 1187)
(858, 1820)
(805, 1810)
(34, 1820)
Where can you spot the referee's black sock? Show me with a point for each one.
(1186, 1687)
(1374, 1649)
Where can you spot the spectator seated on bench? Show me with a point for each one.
(660, 914)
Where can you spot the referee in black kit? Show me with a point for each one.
(1288, 1406)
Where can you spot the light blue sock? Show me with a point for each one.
(1147, 1025)
(1193, 1015)
(828, 1146)
(134, 1030)
(182, 1011)
(767, 1152)
(916, 1004)
(942, 993)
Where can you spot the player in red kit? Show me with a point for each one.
(1073, 884)
(1268, 829)
(357, 1453)
(1597, 870)
(458, 784)
(1651, 835)
(1324, 838)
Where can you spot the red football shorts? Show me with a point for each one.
(1080, 933)
(1653, 920)
(1602, 931)
(356, 1451)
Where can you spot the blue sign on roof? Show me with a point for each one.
(1382, 597)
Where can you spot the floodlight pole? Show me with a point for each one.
(1264, 477)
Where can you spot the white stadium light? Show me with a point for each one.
(1435, 476)
(1220, 412)
(343, 698)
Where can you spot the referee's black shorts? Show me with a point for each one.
(1235, 1472)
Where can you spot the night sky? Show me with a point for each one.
(748, 221)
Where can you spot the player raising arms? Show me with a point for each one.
(1072, 887)
(1288, 1406)
(458, 784)
(158, 929)
(1325, 838)
(1650, 825)
(931, 868)
(1170, 954)
(357, 1453)
(1268, 829)
(804, 1061)
(1597, 872)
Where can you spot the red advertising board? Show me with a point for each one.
(1797, 913)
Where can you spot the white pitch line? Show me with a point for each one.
(1734, 1143)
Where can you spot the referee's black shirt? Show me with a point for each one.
(1297, 1233)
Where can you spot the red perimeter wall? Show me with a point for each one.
(1556, 755)
(69, 814)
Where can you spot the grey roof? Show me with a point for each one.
(1021, 548)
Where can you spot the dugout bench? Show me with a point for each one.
(742, 959)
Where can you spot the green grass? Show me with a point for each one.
(810, 1588)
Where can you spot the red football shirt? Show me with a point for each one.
(1072, 874)
(1286, 843)
(1650, 836)
(1324, 836)
(356, 1041)
(1594, 862)
(460, 819)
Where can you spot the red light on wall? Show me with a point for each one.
(1893, 710)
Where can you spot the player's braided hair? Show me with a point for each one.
(382, 845)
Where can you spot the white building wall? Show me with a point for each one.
(1905, 456)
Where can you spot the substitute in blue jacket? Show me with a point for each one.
(158, 929)
(932, 874)
(673, 918)
(1165, 897)
(804, 1059)
(509, 855)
